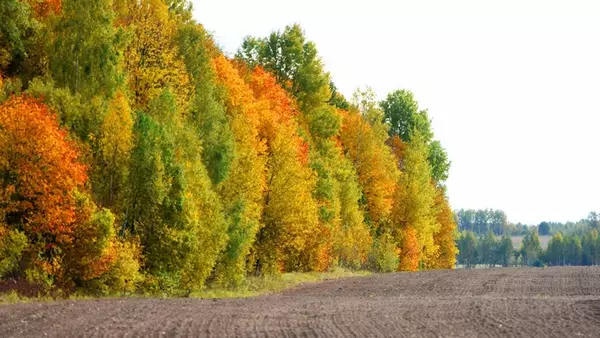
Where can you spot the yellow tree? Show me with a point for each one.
(444, 238)
(291, 238)
(151, 58)
(374, 163)
(115, 144)
(351, 237)
(414, 208)
(242, 192)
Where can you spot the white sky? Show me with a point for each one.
(512, 86)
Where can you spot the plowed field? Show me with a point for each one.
(514, 302)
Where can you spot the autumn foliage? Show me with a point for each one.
(43, 8)
(136, 156)
(40, 173)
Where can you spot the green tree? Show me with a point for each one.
(207, 112)
(530, 248)
(17, 27)
(294, 62)
(85, 56)
(544, 229)
(438, 159)
(591, 250)
(555, 253)
(415, 198)
(171, 205)
(574, 250)
(467, 249)
(402, 114)
(487, 249)
(505, 250)
(337, 99)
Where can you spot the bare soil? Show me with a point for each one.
(513, 302)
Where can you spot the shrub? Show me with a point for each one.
(12, 245)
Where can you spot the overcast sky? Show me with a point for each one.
(512, 87)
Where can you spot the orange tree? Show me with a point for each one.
(39, 171)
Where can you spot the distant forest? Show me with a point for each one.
(481, 221)
(479, 242)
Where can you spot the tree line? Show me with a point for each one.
(562, 249)
(482, 221)
(134, 155)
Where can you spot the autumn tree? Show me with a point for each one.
(444, 237)
(352, 236)
(402, 114)
(242, 192)
(207, 113)
(293, 61)
(292, 234)
(414, 207)
(202, 169)
(44, 8)
(85, 56)
(40, 172)
(115, 144)
(171, 205)
(363, 137)
(151, 58)
(98, 260)
(297, 67)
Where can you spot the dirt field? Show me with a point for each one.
(518, 241)
(551, 302)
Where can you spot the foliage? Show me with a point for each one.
(243, 191)
(291, 229)
(505, 250)
(544, 228)
(481, 221)
(150, 58)
(414, 212)
(444, 238)
(115, 142)
(18, 31)
(375, 165)
(385, 254)
(85, 56)
(171, 205)
(531, 250)
(39, 172)
(293, 61)
(207, 112)
(402, 114)
(467, 249)
(136, 157)
(12, 245)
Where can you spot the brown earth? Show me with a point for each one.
(513, 302)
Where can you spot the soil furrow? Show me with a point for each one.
(508, 302)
